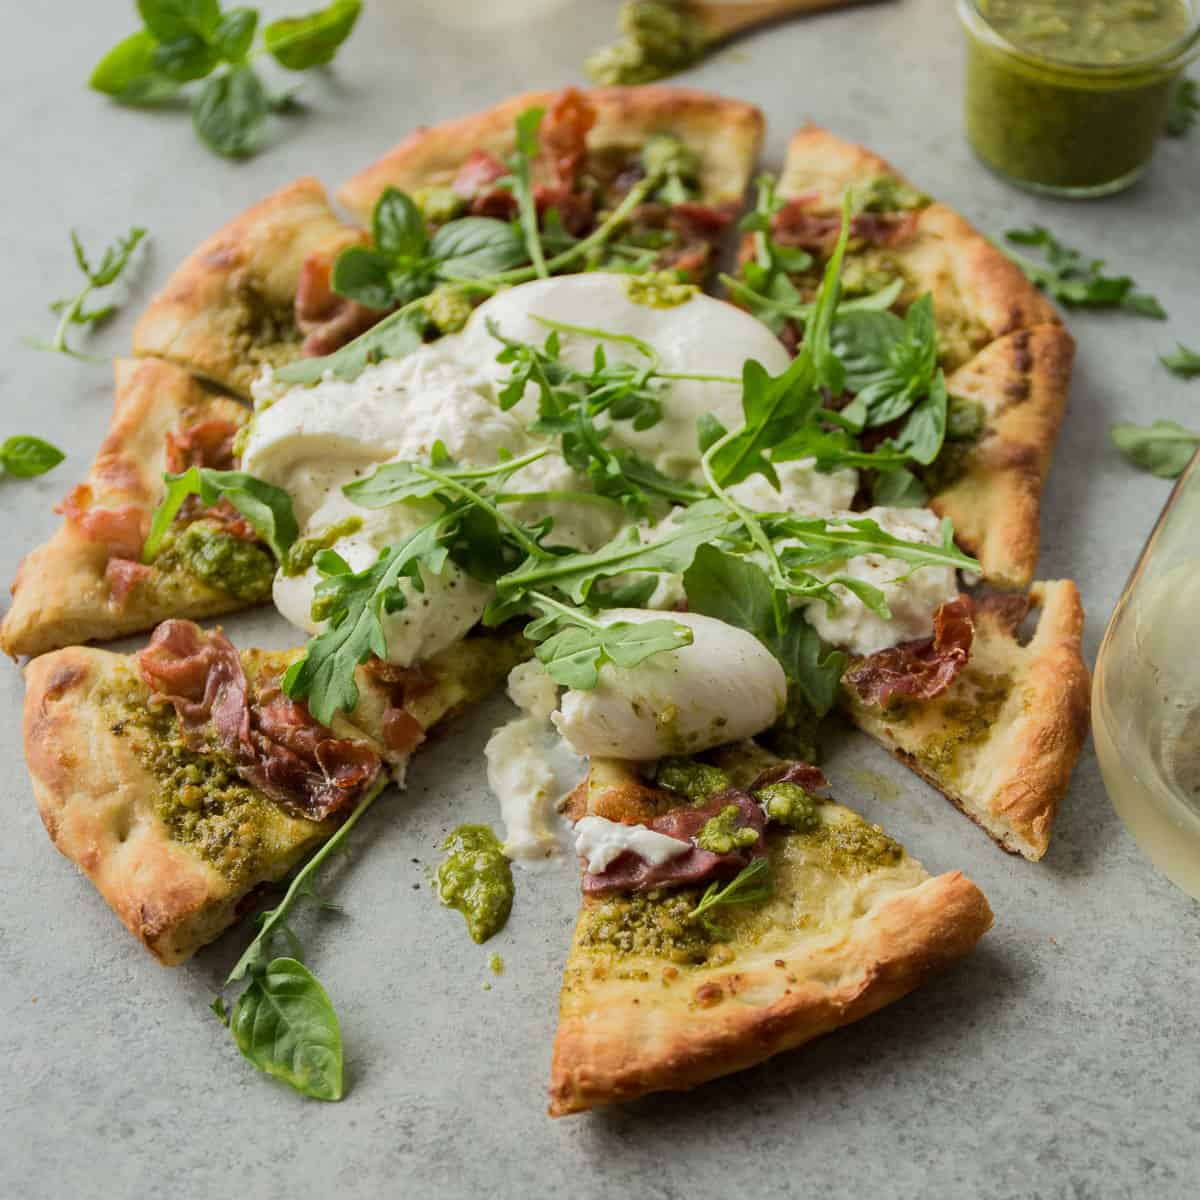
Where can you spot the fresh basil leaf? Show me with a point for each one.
(230, 112)
(169, 19)
(816, 671)
(25, 456)
(924, 431)
(898, 487)
(285, 1025)
(364, 276)
(474, 247)
(1184, 362)
(1163, 448)
(267, 508)
(235, 33)
(398, 334)
(397, 226)
(185, 58)
(127, 72)
(299, 43)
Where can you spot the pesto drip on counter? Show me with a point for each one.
(476, 879)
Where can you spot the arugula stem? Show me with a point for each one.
(573, 497)
(277, 914)
(603, 335)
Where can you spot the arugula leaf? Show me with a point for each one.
(266, 507)
(398, 334)
(394, 482)
(898, 487)
(1163, 448)
(70, 312)
(1184, 362)
(1185, 104)
(128, 72)
(24, 456)
(284, 1023)
(520, 181)
(1077, 282)
(750, 885)
(354, 604)
(299, 43)
(229, 113)
(574, 645)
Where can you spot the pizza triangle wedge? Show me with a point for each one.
(825, 921)
(88, 581)
(181, 779)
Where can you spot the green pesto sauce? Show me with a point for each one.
(964, 724)
(258, 329)
(695, 780)
(439, 204)
(201, 800)
(660, 39)
(1038, 119)
(796, 733)
(789, 804)
(659, 289)
(1089, 32)
(304, 550)
(676, 163)
(965, 423)
(229, 564)
(655, 924)
(724, 833)
(886, 193)
(852, 847)
(476, 879)
(448, 307)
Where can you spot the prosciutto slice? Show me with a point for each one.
(274, 742)
(327, 320)
(629, 872)
(796, 225)
(922, 669)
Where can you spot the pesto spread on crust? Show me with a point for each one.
(201, 801)
(245, 570)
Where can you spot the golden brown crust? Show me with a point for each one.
(61, 594)
(228, 310)
(726, 134)
(1002, 742)
(621, 1037)
(970, 279)
(97, 802)
(1021, 381)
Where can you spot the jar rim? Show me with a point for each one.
(1171, 58)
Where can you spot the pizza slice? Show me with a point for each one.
(256, 293)
(731, 912)
(181, 779)
(89, 581)
(999, 741)
(595, 148)
(1006, 356)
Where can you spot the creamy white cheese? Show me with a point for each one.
(600, 841)
(722, 687)
(912, 594)
(802, 489)
(701, 336)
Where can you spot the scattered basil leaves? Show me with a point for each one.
(23, 456)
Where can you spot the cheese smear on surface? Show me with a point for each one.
(722, 687)
(600, 841)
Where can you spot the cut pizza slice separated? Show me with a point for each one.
(182, 778)
(597, 147)
(730, 912)
(1006, 356)
(89, 580)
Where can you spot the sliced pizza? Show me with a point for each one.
(256, 293)
(89, 581)
(1006, 356)
(731, 912)
(1001, 739)
(182, 778)
(696, 149)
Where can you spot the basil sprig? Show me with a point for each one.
(183, 41)
(1163, 448)
(23, 456)
(105, 273)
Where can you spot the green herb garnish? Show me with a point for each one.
(1077, 281)
(70, 312)
(23, 456)
(750, 885)
(183, 41)
(1163, 448)
(1184, 362)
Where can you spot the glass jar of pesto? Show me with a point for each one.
(1070, 96)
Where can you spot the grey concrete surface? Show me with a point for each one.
(1060, 1060)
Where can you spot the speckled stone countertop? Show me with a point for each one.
(1060, 1060)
